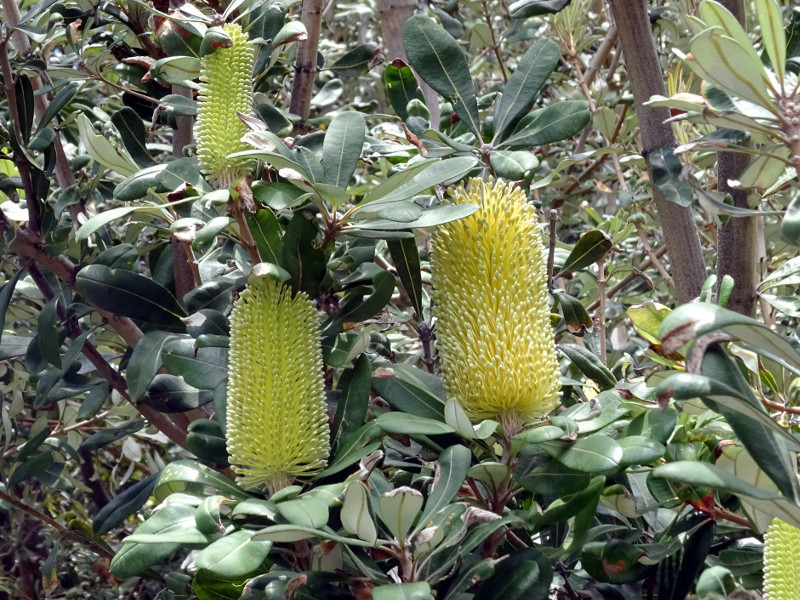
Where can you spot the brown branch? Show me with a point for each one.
(65, 532)
(628, 278)
(306, 65)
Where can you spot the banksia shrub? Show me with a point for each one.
(781, 561)
(493, 324)
(226, 86)
(277, 421)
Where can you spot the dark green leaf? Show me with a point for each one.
(203, 368)
(524, 84)
(590, 365)
(107, 436)
(554, 123)
(23, 90)
(132, 134)
(341, 148)
(192, 477)
(94, 400)
(454, 465)
(439, 61)
(401, 87)
(6, 292)
(412, 391)
(523, 574)
(173, 522)
(126, 293)
(33, 466)
(233, 555)
(790, 226)
(405, 257)
(305, 262)
(358, 307)
(515, 165)
(136, 186)
(666, 169)
(591, 247)
(706, 474)
(555, 480)
(216, 295)
(61, 99)
(145, 362)
(396, 422)
(206, 440)
(357, 61)
(522, 9)
(266, 230)
(48, 334)
(420, 590)
(593, 454)
(575, 315)
(125, 504)
(351, 410)
(170, 394)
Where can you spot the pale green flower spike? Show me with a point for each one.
(781, 561)
(226, 86)
(493, 328)
(277, 421)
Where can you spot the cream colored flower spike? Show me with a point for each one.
(781, 561)
(277, 420)
(226, 86)
(493, 328)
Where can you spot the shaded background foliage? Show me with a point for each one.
(122, 262)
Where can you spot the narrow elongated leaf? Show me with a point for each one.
(107, 436)
(358, 307)
(419, 590)
(590, 365)
(305, 262)
(145, 362)
(203, 368)
(358, 61)
(171, 394)
(102, 151)
(192, 477)
(341, 148)
(591, 247)
(412, 391)
(522, 9)
(61, 99)
(405, 257)
(453, 467)
(23, 90)
(124, 504)
(554, 123)
(706, 474)
(438, 59)
(132, 133)
(401, 87)
(395, 422)
(773, 35)
(129, 294)
(6, 292)
(351, 410)
(524, 574)
(356, 514)
(437, 215)
(716, 15)
(790, 226)
(524, 85)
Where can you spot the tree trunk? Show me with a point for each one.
(738, 244)
(392, 15)
(647, 79)
(306, 65)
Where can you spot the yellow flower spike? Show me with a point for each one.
(493, 324)
(277, 420)
(226, 86)
(781, 561)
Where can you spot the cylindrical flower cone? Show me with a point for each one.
(277, 420)
(781, 561)
(493, 331)
(226, 86)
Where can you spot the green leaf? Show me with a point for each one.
(437, 215)
(233, 555)
(293, 533)
(591, 247)
(47, 332)
(145, 362)
(6, 292)
(192, 477)
(357, 61)
(773, 35)
(351, 410)
(438, 60)
(171, 394)
(705, 474)
(522, 9)
(356, 514)
(305, 262)
(589, 364)
(420, 590)
(341, 148)
(524, 85)
(576, 317)
(124, 504)
(399, 509)
(726, 63)
(524, 574)
(453, 467)
(108, 436)
(417, 178)
(133, 559)
(554, 123)
(61, 99)
(640, 450)
(135, 187)
(104, 218)
(401, 87)
(174, 522)
(790, 226)
(555, 480)
(405, 256)
(203, 368)
(36, 464)
(102, 151)
(666, 169)
(513, 164)
(593, 454)
(358, 307)
(277, 195)
(126, 293)
(412, 391)
(23, 91)
(132, 134)
(305, 511)
(396, 422)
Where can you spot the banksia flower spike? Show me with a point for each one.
(277, 420)
(781, 561)
(226, 82)
(493, 324)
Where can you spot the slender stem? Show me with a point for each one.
(495, 47)
(653, 258)
(628, 278)
(245, 234)
(65, 532)
(551, 252)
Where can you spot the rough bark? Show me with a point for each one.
(306, 64)
(739, 242)
(392, 15)
(647, 79)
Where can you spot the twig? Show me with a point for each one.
(65, 532)
(653, 258)
(628, 278)
(495, 47)
(600, 56)
(551, 253)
